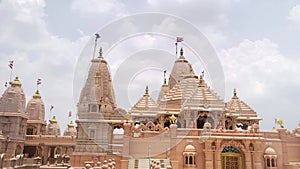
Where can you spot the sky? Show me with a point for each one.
(255, 42)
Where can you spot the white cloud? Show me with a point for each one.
(115, 7)
(263, 78)
(294, 14)
(38, 54)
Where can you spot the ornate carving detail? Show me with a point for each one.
(150, 126)
(234, 143)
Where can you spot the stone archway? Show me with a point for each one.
(231, 158)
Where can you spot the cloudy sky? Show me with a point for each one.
(256, 42)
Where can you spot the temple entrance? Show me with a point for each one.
(231, 158)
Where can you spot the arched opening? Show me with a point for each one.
(167, 123)
(268, 162)
(201, 120)
(186, 160)
(228, 123)
(189, 156)
(270, 158)
(273, 162)
(231, 158)
(191, 160)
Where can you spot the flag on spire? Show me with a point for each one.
(5, 84)
(70, 113)
(51, 108)
(38, 81)
(11, 64)
(97, 35)
(179, 39)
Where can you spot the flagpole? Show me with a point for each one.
(176, 48)
(10, 74)
(97, 36)
(11, 65)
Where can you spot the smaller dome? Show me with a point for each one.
(13, 99)
(270, 151)
(70, 130)
(53, 120)
(53, 128)
(35, 107)
(189, 148)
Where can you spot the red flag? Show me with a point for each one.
(39, 81)
(70, 113)
(179, 39)
(51, 107)
(11, 64)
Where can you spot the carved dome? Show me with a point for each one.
(53, 128)
(270, 151)
(13, 99)
(35, 107)
(190, 148)
(70, 130)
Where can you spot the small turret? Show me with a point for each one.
(70, 130)
(53, 128)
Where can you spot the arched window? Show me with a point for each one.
(273, 162)
(191, 160)
(268, 162)
(186, 159)
(270, 157)
(189, 155)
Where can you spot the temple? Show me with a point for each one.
(189, 126)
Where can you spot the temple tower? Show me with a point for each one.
(13, 119)
(96, 110)
(35, 109)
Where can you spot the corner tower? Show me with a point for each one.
(13, 119)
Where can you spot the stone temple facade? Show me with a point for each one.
(187, 127)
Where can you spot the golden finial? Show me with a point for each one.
(274, 129)
(100, 53)
(71, 124)
(127, 116)
(298, 126)
(16, 82)
(53, 120)
(172, 119)
(234, 94)
(36, 95)
(146, 90)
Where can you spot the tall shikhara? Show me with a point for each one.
(97, 112)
